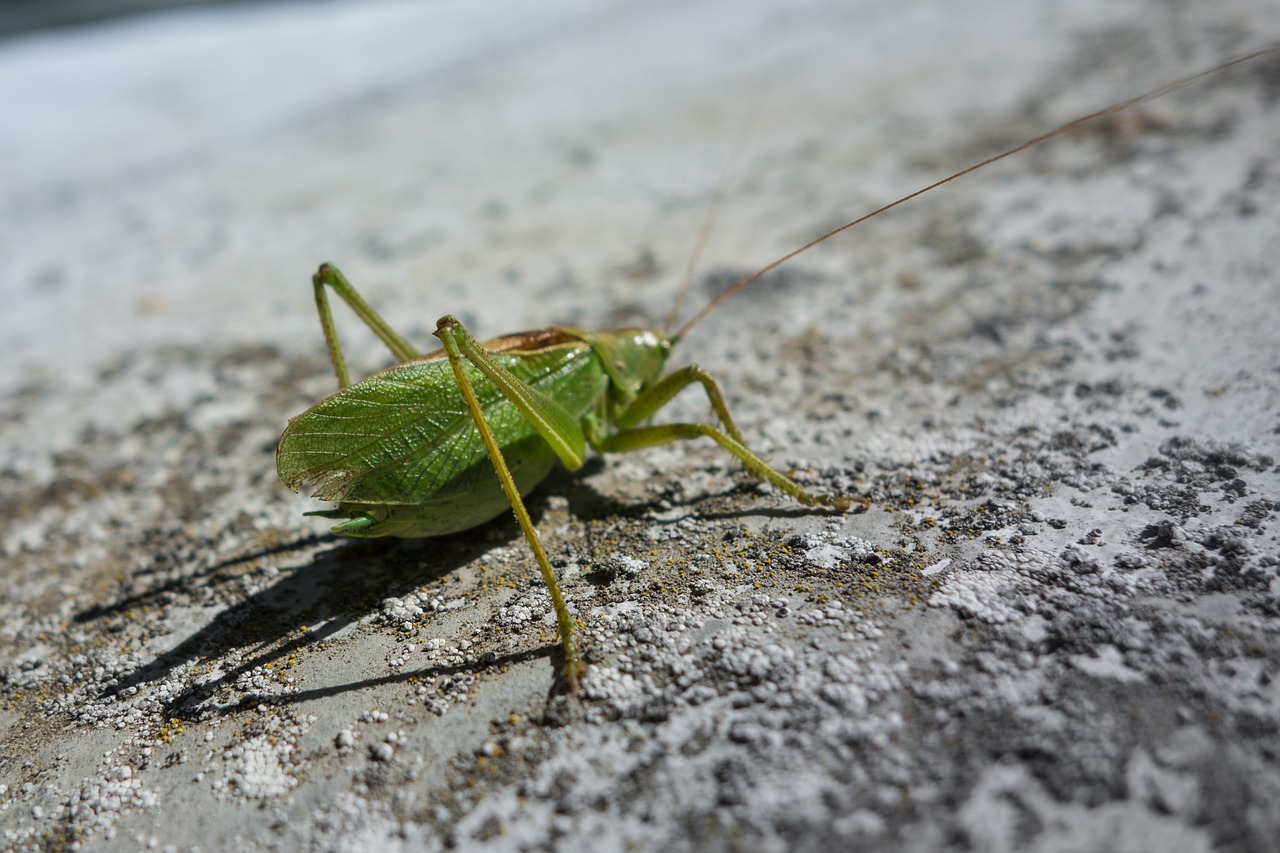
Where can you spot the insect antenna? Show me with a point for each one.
(709, 220)
(1044, 137)
(700, 243)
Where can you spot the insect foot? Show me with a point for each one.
(845, 504)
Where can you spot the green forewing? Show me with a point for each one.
(404, 436)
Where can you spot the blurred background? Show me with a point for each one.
(19, 16)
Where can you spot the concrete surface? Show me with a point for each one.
(1058, 628)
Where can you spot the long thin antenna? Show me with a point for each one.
(699, 245)
(709, 220)
(1044, 137)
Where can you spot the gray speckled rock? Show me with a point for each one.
(1057, 628)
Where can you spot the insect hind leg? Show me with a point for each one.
(459, 345)
(330, 276)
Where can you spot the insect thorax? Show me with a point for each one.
(632, 358)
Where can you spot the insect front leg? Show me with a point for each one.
(630, 437)
(553, 424)
(329, 276)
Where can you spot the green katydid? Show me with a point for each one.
(412, 450)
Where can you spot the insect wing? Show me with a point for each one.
(404, 436)
(392, 439)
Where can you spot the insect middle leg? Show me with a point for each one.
(630, 438)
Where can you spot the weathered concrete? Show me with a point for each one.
(1057, 628)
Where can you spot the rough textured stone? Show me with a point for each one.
(1058, 627)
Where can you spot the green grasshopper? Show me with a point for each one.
(412, 450)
